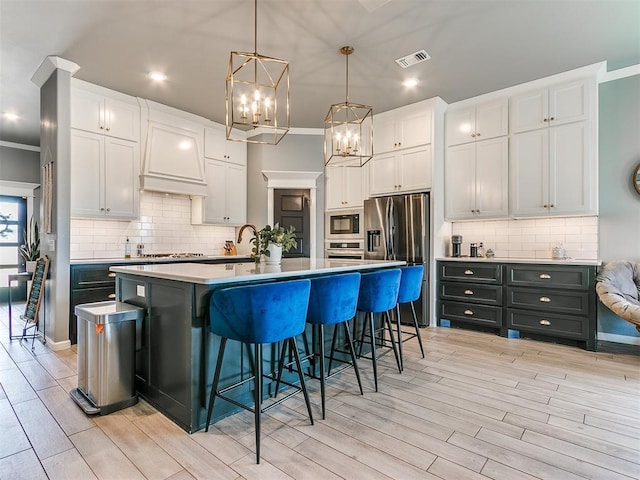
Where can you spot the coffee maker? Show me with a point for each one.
(456, 245)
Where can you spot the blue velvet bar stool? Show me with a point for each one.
(378, 294)
(257, 315)
(333, 301)
(409, 292)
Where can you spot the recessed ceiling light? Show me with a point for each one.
(10, 116)
(157, 76)
(410, 82)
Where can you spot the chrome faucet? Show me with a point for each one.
(247, 225)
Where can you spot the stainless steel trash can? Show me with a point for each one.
(106, 356)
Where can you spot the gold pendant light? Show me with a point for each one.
(348, 129)
(257, 101)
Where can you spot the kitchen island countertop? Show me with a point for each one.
(206, 274)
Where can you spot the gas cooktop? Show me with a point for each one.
(171, 255)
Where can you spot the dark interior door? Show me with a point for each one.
(291, 207)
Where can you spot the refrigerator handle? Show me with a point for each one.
(390, 254)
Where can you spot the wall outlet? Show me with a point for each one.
(140, 290)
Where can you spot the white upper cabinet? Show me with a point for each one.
(217, 146)
(99, 113)
(480, 122)
(343, 188)
(476, 180)
(404, 171)
(556, 105)
(553, 172)
(226, 200)
(404, 127)
(104, 176)
(403, 149)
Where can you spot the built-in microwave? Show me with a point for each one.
(344, 224)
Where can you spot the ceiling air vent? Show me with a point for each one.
(413, 58)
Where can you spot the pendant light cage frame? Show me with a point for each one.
(257, 96)
(348, 130)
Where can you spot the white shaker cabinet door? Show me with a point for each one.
(460, 126)
(529, 173)
(215, 201)
(529, 111)
(352, 186)
(460, 182)
(569, 102)
(87, 165)
(383, 174)
(236, 200)
(492, 178)
(414, 169)
(414, 126)
(334, 187)
(121, 178)
(384, 137)
(492, 120)
(572, 189)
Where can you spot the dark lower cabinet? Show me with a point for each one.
(89, 283)
(541, 301)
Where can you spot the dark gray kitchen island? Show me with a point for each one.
(175, 353)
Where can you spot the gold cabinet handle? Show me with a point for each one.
(468, 272)
(545, 276)
(545, 323)
(111, 296)
(477, 134)
(112, 275)
(545, 299)
(468, 312)
(468, 292)
(473, 135)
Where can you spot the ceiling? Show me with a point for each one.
(476, 46)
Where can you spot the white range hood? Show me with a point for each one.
(173, 146)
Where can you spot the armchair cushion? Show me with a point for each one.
(618, 287)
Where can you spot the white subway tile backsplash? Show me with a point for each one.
(164, 226)
(533, 238)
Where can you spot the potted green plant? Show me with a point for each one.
(30, 249)
(272, 242)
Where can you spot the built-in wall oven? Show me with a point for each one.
(347, 250)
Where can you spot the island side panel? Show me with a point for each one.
(164, 354)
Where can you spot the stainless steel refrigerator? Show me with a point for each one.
(397, 228)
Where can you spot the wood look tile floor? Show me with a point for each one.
(477, 407)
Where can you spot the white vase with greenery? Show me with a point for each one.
(272, 242)
(30, 249)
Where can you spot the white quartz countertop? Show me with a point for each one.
(534, 261)
(250, 271)
(137, 260)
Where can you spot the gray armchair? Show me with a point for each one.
(618, 287)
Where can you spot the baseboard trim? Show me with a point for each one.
(56, 346)
(615, 338)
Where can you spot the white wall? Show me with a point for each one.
(18, 165)
(619, 203)
(295, 152)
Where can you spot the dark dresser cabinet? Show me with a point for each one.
(545, 301)
(557, 301)
(470, 293)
